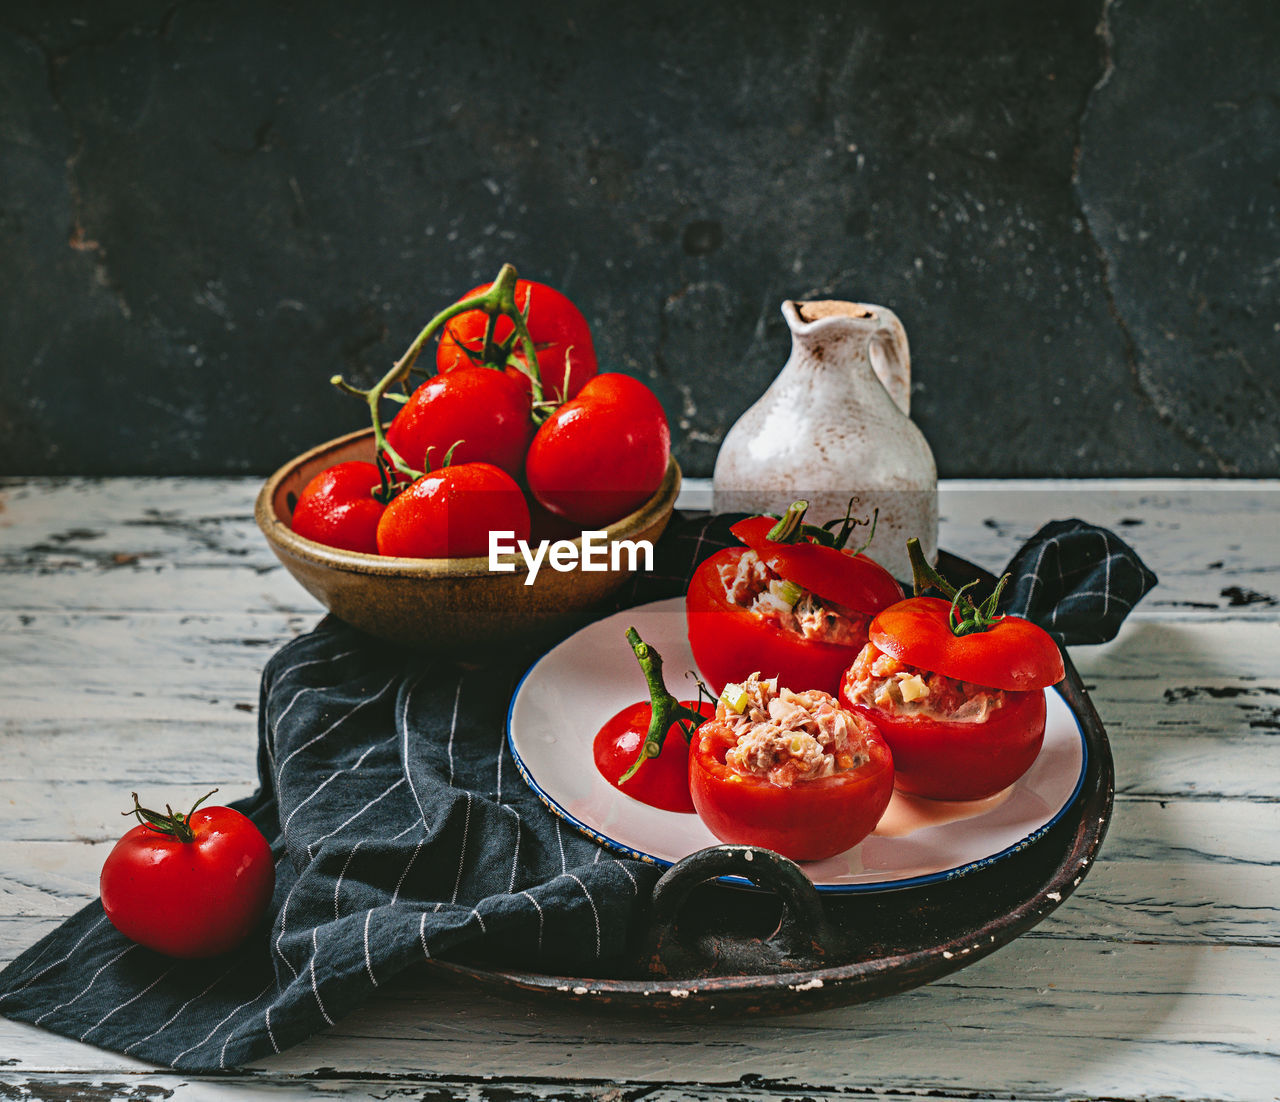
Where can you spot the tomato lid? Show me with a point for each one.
(845, 578)
(1014, 654)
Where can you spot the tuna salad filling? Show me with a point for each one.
(750, 584)
(878, 680)
(789, 737)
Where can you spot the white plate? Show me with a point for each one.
(571, 691)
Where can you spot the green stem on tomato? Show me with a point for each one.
(507, 305)
(665, 708)
(500, 298)
(791, 528)
(966, 618)
(923, 573)
(175, 822)
(790, 525)
(489, 346)
(849, 523)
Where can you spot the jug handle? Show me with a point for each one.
(891, 358)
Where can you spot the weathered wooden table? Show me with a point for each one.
(135, 616)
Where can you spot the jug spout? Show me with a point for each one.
(871, 331)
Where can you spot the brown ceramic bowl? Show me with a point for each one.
(449, 604)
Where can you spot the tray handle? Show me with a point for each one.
(798, 943)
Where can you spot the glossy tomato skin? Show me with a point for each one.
(946, 760)
(337, 507)
(807, 821)
(730, 642)
(660, 782)
(602, 454)
(190, 899)
(561, 339)
(1014, 654)
(449, 513)
(486, 410)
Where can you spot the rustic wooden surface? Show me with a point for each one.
(135, 616)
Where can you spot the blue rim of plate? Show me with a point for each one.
(624, 850)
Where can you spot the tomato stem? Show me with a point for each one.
(966, 618)
(500, 298)
(791, 528)
(174, 822)
(665, 708)
(388, 487)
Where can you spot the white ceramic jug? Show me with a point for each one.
(833, 426)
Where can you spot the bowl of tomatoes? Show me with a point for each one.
(501, 499)
(450, 603)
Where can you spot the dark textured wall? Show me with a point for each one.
(208, 208)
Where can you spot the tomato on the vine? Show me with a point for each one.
(188, 885)
(338, 507)
(561, 339)
(602, 454)
(956, 689)
(484, 412)
(795, 610)
(449, 513)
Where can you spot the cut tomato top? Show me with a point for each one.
(854, 581)
(1015, 654)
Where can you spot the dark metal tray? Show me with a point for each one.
(788, 949)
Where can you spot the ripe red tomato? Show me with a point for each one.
(197, 889)
(662, 781)
(337, 507)
(602, 454)
(947, 759)
(561, 338)
(730, 641)
(486, 410)
(449, 513)
(807, 821)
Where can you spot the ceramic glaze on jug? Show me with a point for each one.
(834, 425)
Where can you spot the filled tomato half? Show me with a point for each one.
(795, 611)
(789, 771)
(951, 739)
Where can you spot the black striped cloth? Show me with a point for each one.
(403, 832)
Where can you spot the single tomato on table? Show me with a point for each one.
(956, 689)
(602, 454)
(793, 772)
(450, 512)
(192, 884)
(794, 604)
(560, 334)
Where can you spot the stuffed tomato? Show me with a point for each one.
(959, 697)
(786, 604)
(789, 771)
